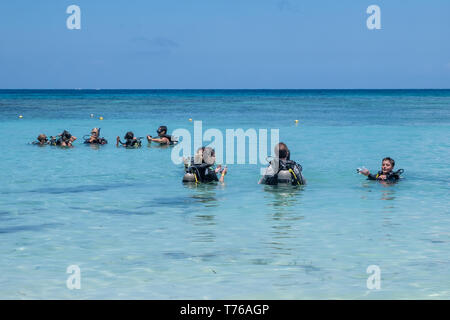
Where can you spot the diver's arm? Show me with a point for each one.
(368, 174)
(222, 177)
(118, 141)
(371, 177)
(162, 140)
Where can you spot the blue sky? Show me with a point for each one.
(224, 44)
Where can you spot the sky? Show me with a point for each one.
(218, 44)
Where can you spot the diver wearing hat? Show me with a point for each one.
(164, 138)
(130, 141)
(282, 170)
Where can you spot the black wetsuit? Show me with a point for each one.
(131, 143)
(96, 141)
(271, 177)
(168, 137)
(390, 177)
(204, 172)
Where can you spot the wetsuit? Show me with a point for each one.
(96, 141)
(204, 172)
(168, 137)
(131, 143)
(271, 175)
(390, 177)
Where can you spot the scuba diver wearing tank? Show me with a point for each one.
(130, 141)
(282, 169)
(65, 139)
(201, 167)
(41, 140)
(386, 173)
(163, 137)
(94, 138)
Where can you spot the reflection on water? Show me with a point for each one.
(387, 189)
(94, 146)
(285, 201)
(283, 197)
(388, 194)
(204, 222)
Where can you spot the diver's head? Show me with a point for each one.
(65, 135)
(94, 132)
(281, 151)
(209, 156)
(129, 135)
(162, 130)
(205, 155)
(42, 138)
(387, 165)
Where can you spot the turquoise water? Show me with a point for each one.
(135, 231)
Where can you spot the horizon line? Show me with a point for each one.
(223, 89)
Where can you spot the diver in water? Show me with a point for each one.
(130, 141)
(65, 139)
(94, 138)
(385, 174)
(41, 140)
(201, 167)
(164, 138)
(282, 170)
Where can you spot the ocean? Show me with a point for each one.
(134, 231)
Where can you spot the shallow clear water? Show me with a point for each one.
(135, 231)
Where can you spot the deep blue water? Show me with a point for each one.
(135, 231)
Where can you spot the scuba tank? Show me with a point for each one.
(203, 172)
(189, 177)
(284, 177)
(287, 172)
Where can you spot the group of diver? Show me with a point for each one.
(65, 139)
(202, 169)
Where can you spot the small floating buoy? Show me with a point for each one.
(190, 119)
(296, 121)
(101, 118)
(21, 116)
(92, 115)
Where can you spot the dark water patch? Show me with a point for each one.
(176, 255)
(114, 211)
(181, 255)
(124, 212)
(29, 227)
(171, 202)
(81, 189)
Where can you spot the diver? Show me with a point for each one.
(385, 174)
(94, 138)
(282, 170)
(201, 167)
(65, 139)
(41, 140)
(130, 141)
(164, 138)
